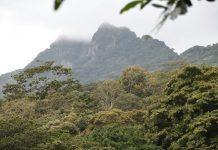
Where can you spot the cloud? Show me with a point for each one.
(29, 26)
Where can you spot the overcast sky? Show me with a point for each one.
(28, 27)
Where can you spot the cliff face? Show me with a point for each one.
(110, 50)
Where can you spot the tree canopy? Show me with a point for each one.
(180, 111)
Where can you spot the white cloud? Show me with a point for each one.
(21, 43)
(29, 26)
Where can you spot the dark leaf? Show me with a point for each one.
(182, 6)
(188, 2)
(145, 4)
(57, 4)
(131, 5)
(159, 6)
(171, 2)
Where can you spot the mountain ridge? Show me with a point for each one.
(114, 45)
(112, 49)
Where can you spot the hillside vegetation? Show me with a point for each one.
(46, 108)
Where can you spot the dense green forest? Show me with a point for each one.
(46, 108)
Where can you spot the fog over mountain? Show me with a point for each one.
(112, 49)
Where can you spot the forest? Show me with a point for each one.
(46, 108)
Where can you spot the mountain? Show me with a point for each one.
(201, 55)
(112, 49)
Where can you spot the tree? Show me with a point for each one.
(117, 116)
(187, 117)
(122, 137)
(128, 101)
(133, 80)
(24, 108)
(38, 82)
(106, 93)
(17, 133)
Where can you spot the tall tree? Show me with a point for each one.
(37, 82)
(133, 80)
(106, 93)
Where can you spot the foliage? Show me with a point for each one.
(133, 80)
(57, 4)
(171, 8)
(17, 133)
(118, 116)
(121, 137)
(23, 107)
(106, 93)
(188, 116)
(128, 101)
(201, 55)
(39, 81)
(180, 112)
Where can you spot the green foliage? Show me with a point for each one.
(146, 37)
(171, 8)
(62, 126)
(188, 116)
(17, 133)
(60, 103)
(183, 116)
(13, 91)
(133, 4)
(106, 93)
(202, 133)
(128, 101)
(118, 116)
(39, 81)
(133, 80)
(201, 55)
(22, 107)
(57, 4)
(121, 137)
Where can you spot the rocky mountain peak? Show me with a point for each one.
(108, 36)
(107, 32)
